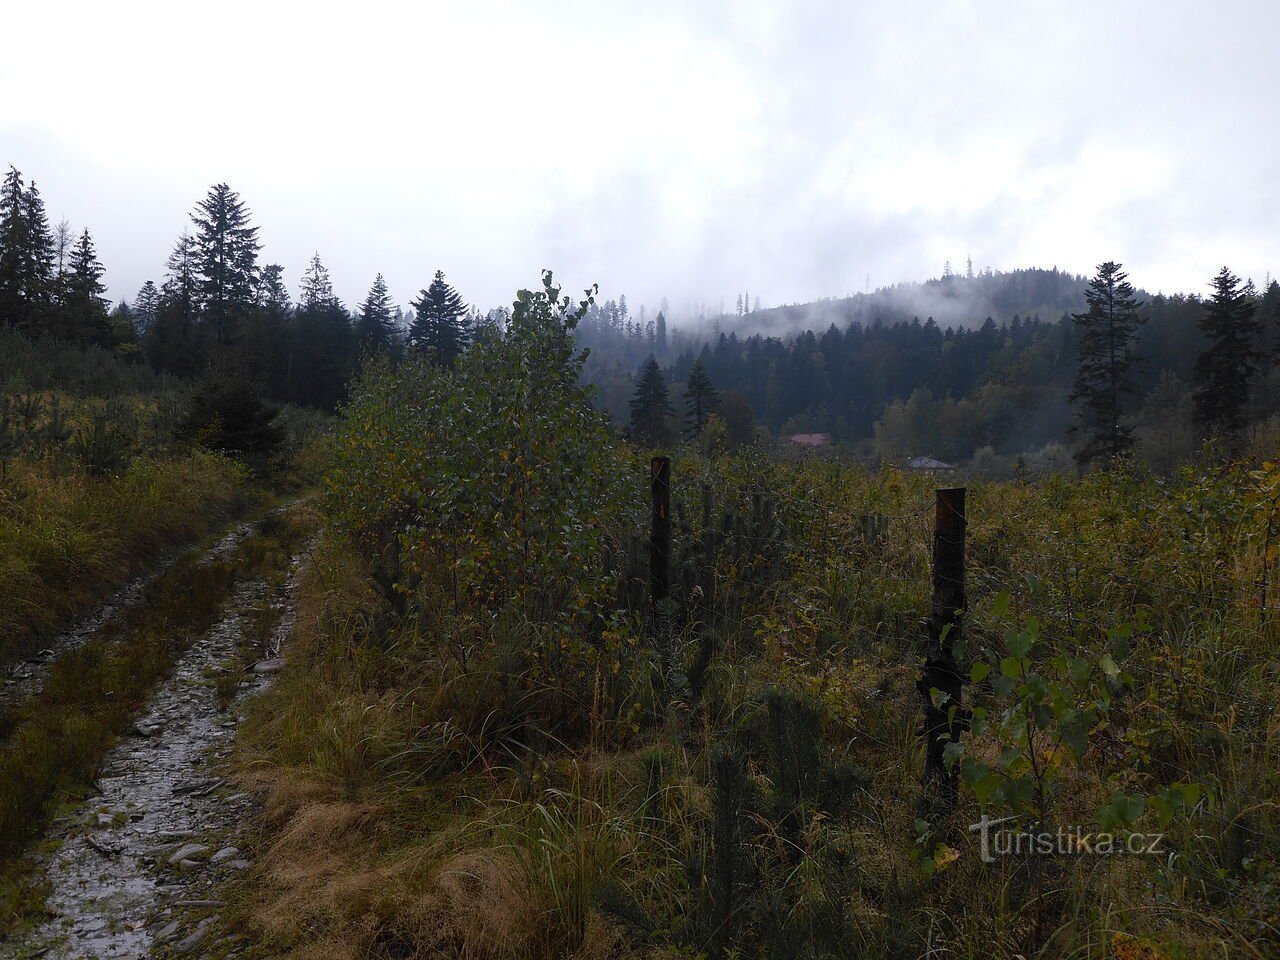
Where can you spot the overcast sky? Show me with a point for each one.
(682, 149)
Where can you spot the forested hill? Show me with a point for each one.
(952, 300)
(946, 367)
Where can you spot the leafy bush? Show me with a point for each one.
(489, 491)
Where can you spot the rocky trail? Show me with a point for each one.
(24, 678)
(133, 870)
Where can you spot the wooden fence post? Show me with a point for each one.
(660, 531)
(944, 720)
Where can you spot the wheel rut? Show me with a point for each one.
(132, 865)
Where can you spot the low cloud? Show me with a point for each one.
(791, 150)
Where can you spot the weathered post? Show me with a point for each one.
(660, 531)
(944, 715)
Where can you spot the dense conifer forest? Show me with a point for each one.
(970, 364)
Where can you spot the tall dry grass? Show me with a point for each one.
(67, 539)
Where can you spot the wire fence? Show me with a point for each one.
(753, 561)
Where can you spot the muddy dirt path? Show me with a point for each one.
(130, 864)
(24, 678)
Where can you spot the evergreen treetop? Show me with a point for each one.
(145, 306)
(26, 255)
(226, 253)
(651, 409)
(316, 290)
(83, 312)
(700, 399)
(1106, 343)
(273, 294)
(1226, 369)
(437, 327)
(375, 327)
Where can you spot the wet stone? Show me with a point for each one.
(193, 939)
(189, 851)
(141, 869)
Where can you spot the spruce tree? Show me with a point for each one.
(437, 328)
(83, 311)
(227, 257)
(273, 295)
(375, 327)
(182, 281)
(170, 343)
(661, 333)
(651, 409)
(40, 255)
(26, 256)
(1270, 318)
(145, 306)
(1105, 333)
(323, 346)
(316, 289)
(1225, 370)
(264, 353)
(13, 244)
(700, 399)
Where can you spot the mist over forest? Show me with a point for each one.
(969, 364)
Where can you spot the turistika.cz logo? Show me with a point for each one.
(995, 840)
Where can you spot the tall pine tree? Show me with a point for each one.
(1226, 368)
(323, 342)
(227, 256)
(40, 255)
(375, 327)
(316, 290)
(1105, 333)
(145, 306)
(83, 310)
(264, 352)
(170, 344)
(26, 256)
(1270, 318)
(700, 399)
(437, 328)
(651, 409)
(273, 295)
(13, 245)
